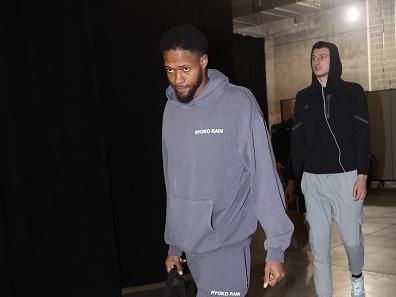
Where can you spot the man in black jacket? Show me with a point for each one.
(331, 149)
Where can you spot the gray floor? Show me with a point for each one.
(379, 228)
(380, 258)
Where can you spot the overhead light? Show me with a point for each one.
(353, 14)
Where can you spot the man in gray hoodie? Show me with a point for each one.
(219, 172)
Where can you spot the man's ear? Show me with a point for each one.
(204, 61)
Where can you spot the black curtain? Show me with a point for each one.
(82, 199)
(57, 231)
(249, 67)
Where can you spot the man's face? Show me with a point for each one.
(186, 73)
(320, 61)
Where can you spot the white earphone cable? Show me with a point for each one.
(331, 130)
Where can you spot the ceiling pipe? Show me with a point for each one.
(268, 5)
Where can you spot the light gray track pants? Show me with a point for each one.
(328, 197)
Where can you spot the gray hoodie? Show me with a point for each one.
(220, 172)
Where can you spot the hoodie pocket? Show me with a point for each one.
(189, 225)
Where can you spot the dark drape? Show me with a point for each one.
(82, 198)
(57, 232)
(249, 67)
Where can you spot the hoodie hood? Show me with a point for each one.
(335, 71)
(215, 79)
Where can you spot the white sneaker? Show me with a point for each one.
(358, 287)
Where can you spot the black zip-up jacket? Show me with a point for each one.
(313, 147)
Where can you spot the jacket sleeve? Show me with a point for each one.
(297, 146)
(173, 249)
(362, 131)
(266, 188)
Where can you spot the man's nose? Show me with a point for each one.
(179, 77)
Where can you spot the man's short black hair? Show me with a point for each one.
(184, 37)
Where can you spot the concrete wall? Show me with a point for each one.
(382, 44)
(366, 58)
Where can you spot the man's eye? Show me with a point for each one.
(186, 69)
(169, 70)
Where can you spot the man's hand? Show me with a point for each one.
(279, 167)
(273, 273)
(360, 187)
(290, 192)
(174, 261)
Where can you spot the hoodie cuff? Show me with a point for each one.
(275, 254)
(174, 251)
(362, 171)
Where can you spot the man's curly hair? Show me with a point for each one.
(184, 37)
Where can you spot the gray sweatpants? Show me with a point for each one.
(225, 272)
(328, 197)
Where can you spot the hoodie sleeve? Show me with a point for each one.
(173, 249)
(266, 188)
(362, 131)
(297, 139)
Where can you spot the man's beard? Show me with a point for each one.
(193, 89)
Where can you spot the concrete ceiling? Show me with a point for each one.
(255, 12)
